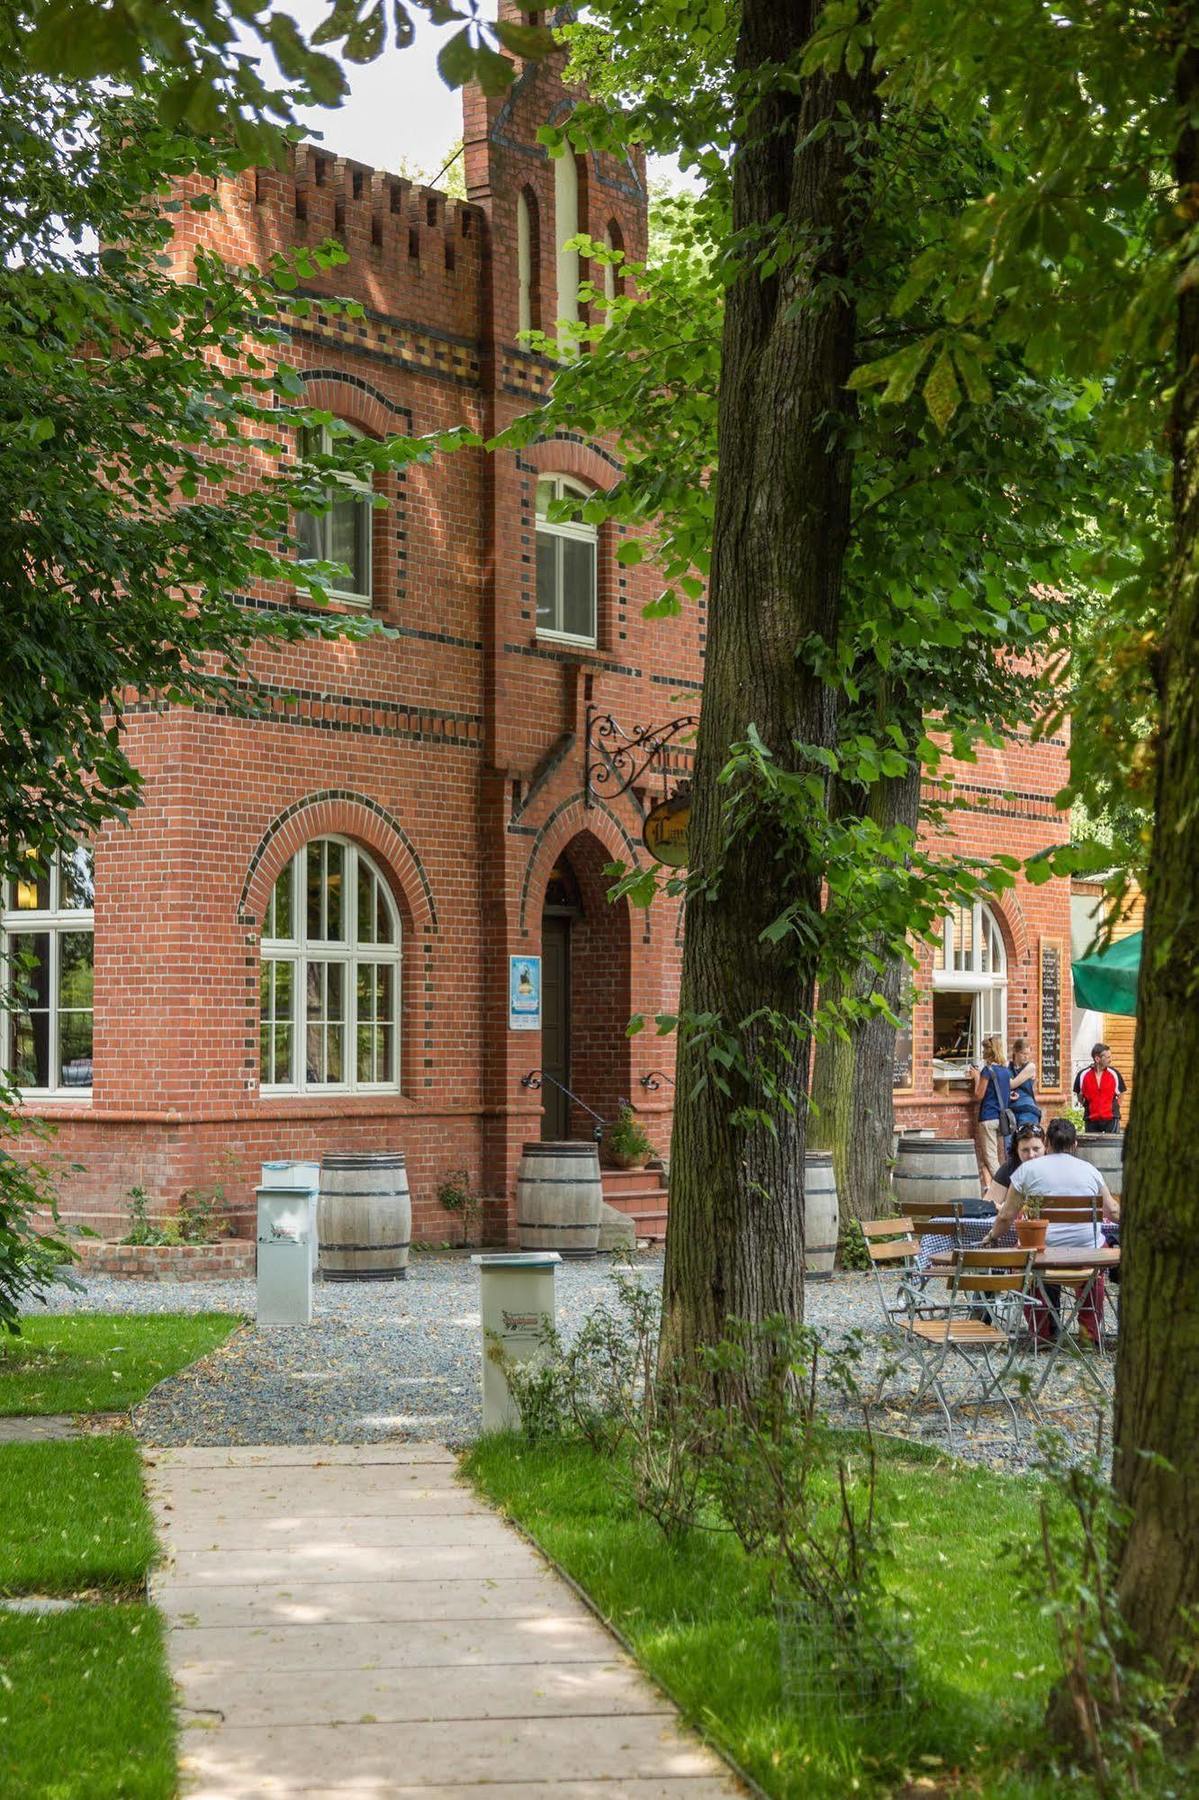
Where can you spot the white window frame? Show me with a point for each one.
(349, 952)
(988, 983)
(576, 531)
(323, 521)
(53, 921)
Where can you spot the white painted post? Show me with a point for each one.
(284, 1256)
(516, 1295)
(297, 1175)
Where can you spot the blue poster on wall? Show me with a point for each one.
(524, 993)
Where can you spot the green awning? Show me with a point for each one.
(1108, 982)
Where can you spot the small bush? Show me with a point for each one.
(851, 1251)
(456, 1196)
(625, 1140)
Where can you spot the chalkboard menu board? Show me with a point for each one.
(1051, 1014)
(901, 1068)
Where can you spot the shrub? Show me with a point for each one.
(851, 1251)
(456, 1196)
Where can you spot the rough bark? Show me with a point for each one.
(735, 1243)
(1157, 1405)
(852, 1110)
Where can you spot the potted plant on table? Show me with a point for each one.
(625, 1143)
(1030, 1227)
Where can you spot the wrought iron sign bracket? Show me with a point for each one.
(615, 760)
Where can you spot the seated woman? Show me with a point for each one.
(1027, 1144)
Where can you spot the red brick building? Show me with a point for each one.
(317, 933)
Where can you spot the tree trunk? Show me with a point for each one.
(852, 1083)
(736, 1236)
(1157, 1408)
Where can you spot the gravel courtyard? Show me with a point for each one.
(401, 1360)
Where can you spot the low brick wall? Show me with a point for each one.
(168, 1262)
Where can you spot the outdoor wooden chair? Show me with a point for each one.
(938, 1336)
(892, 1248)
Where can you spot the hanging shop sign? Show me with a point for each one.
(524, 993)
(664, 832)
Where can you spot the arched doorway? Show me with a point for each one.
(563, 907)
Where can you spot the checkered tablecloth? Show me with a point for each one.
(960, 1234)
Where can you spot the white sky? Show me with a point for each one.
(398, 108)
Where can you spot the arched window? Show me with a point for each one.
(330, 980)
(528, 262)
(566, 550)
(613, 272)
(566, 226)
(47, 938)
(342, 534)
(969, 986)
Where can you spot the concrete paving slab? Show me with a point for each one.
(359, 1788)
(265, 1696)
(306, 1456)
(364, 1602)
(195, 1530)
(417, 1643)
(320, 1489)
(458, 1753)
(504, 1558)
(52, 1428)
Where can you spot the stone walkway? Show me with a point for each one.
(354, 1621)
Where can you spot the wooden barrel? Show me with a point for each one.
(820, 1214)
(935, 1169)
(364, 1216)
(1105, 1151)
(559, 1198)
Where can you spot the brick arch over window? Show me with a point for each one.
(339, 812)
(351, 398)
(1009, 916)
(564, 823)
(565, 454)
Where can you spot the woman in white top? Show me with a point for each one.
(1059, 1175)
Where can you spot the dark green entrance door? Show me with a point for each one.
(555, 1024)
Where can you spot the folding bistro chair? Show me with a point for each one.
(938, 1225)
(892, 1249)
(934, 1335)
(1070, 1300)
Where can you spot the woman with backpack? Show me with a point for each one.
(993, 1091)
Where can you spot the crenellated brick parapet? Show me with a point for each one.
(414, 252)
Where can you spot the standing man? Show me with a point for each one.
(1098, 1089)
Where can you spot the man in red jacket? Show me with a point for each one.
(1099, 1089)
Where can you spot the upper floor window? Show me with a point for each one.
(47, 937)
(330, 978)
(969, 986)
(342, 534)
(528, 255)
(566, 553)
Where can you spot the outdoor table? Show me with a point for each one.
(960, 1234)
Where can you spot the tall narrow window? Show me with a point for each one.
(566, 226)
(613, 272)
(566, 550)
(342, 534)
(47, 936)
(330, 978)
(524, 262)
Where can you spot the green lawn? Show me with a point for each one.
(73, 1516)
(93, 1362)
(85, 1706)
(699, 1617)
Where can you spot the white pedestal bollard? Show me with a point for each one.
(516, 1294)
(284, 1256)
(297, 1175)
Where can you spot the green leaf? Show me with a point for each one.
(942, 395)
